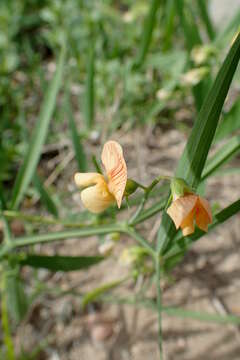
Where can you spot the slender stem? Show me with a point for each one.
(6, 231)
(6, 226)
(151, 211)
(133, 233)
(159, 305)
(62, 235)
(147, 191)
(139, 209)
(96, 164)
(5, 322)
(40, 219)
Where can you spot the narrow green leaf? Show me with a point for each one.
(147, 32)
(221, 157)
(96, 164)
(168, 27)
(202, 316)
(192, 162)
(229, 123)
(202, 5)
(45, 196)
(6, 227)
(60, 263)
(76, 140)
(192, 38)
(39, 136)
(94, 294)
(229, 30)
(89, 87)
(188, 24)
(174, 311)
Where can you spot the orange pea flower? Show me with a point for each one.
(99, 193)
(188, 209)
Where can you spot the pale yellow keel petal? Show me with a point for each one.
(87, 179)
(97, 198)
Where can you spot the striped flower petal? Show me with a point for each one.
(116, 169)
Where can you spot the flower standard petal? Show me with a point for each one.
(181, 208)
(116, 169)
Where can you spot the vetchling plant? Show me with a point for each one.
(181, 207)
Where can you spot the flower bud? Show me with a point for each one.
(131, 187)
(179, 187)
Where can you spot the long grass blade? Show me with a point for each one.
(221, 157)
(45, 196)
(89, 87)
(203, 9)
(229, 123)
(147, 32)
(76, 140)
(39, 136)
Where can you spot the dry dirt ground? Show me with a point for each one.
(207, 280)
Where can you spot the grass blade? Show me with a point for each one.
(174, 311)
(170, 14)
(45, 197)
(228, 32)
(222, 156)
(39, 136)
(89, 87)
(229, 123)
(147, 33)
(76, 140)
(188, 24)
(94, 294)
(202, 5)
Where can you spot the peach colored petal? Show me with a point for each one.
(116, 169)
(181, 208)
(205, 205)
(203, 214)
(187, 224)
(87, 179)
(97, 198)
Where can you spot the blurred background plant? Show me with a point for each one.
(73, 74)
